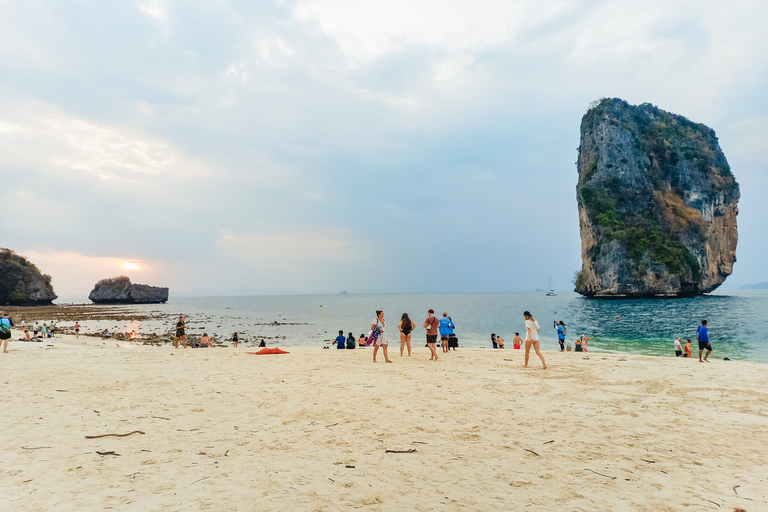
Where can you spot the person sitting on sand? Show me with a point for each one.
(517, 341)
(351, 341)
(581, 343)
(341, 341)
(235, 340)
(361, 341)
(500, 341)
(205, 341)
(106, 334)
(26, 337)
(532, 338)
(678, 347)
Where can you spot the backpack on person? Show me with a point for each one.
(563, 330)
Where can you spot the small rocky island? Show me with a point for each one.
(657, 204)
(119, 290)
(22, 283)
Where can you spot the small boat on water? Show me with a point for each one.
(551, 292)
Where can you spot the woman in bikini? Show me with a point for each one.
(406, 327)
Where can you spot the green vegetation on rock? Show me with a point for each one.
(21, 282)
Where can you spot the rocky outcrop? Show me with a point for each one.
(22, 283)
(119, 290)
(657, 204)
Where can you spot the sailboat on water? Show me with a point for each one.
(551, 292)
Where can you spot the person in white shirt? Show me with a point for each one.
(532, 338)
(678, 347)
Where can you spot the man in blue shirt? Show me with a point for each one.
(446, 329)
(341, 340)
(703, 338)
(5, 331)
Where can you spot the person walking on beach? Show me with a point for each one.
(446, 329)
(235, 340)
(180, 333)
(703, 336)
(679, 347)
(77, 330)
(381, 341)
(431, 325)
(560, 326)
(532, 338)
(406, 327)
(5, 331)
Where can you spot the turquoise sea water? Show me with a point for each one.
(736, 320)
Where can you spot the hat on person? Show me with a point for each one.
(431, 311)
(527, 313)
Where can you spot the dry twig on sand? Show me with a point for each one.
(115, 435)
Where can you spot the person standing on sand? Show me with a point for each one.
(77, 330)
(679, 347)
(560, 326)
(235, 340)
(703, 336)
(500, 342)
(382, 339)
(517, 341)
(431, 324)
(446, 328)
(406, 327)
(180, 333)
(532, 338)
(5, 331)
(688, 348)
(44, 330)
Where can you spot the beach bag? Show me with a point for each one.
(373, 337)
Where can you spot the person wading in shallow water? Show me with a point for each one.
(180, 333)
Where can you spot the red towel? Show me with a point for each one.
(273, 350)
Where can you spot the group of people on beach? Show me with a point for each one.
(702, 336)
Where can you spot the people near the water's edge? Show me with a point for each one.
(493, 340)
(679, 347)
(688, 348)
(181, 333)
(77, 330)
(381, 339)
(517, 341)
(5, 331)
(532, 338)
(446, 329)
(341, 341)
(351, 341)
(235, 340)
(406, 327)
(500, 341)
(703, 336)
(561, 332)
(431, 324)
(106, 334)
(205, 341)
(361, 341)
(581, 343)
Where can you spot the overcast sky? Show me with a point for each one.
(325, 145)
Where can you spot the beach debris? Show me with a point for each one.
(115, 435)
(552, 441)
(333, 425)
(225, 453)
(161, 418)
(418, 442)
(62, 390)
(734, 489)
(412, 450)
(200, 480)
(650, 461)
(711, 501)
(533, 452)
(349, 466)
(601, 474)
(39, 447)
(109, 453)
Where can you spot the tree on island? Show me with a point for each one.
(21, 282)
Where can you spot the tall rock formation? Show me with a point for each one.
(22, 283)
(657, 204)
(119, 290)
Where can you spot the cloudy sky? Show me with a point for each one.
(305, 146)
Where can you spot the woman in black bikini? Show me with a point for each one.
(406, 326)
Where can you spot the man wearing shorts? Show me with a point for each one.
(678, 347)
(5, 331)
(446, 329)
(703, 336)
(431, 324)
(180, 333)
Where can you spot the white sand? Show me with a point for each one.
(225, 430)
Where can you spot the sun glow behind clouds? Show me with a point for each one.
(129, 265)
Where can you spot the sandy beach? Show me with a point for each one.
(226, 430)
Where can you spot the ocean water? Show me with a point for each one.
(736, 319)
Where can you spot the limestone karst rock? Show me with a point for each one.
(22, 283)
(119, 290)
(657, 204)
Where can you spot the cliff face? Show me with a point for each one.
(22, 283)
(119, 290)
(657, 204)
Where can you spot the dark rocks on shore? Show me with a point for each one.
(657, 204)
(119, 290)
(22, 283)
